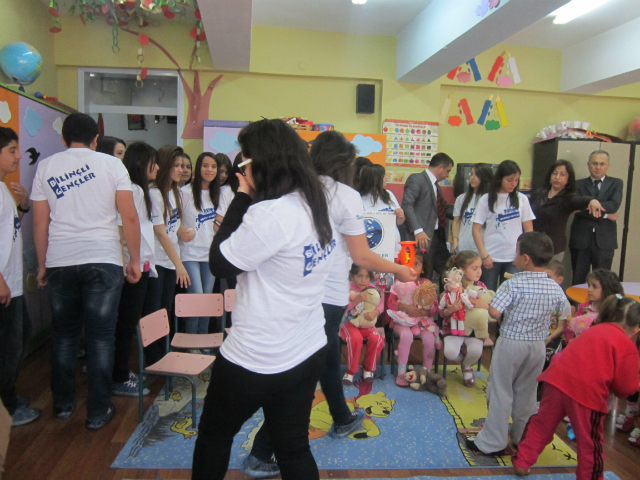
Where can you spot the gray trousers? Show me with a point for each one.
(511, 391)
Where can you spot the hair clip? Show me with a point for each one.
(618, 296)
(424, 250)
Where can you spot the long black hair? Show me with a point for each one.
(136, 160)
(232, 181)
(223, 161)
(196, 185)
(281, 165)
(506, 168)
(333, 155)
(484, 172)
(108, 144)
(570, 187)
(371, 183)
(360, 163)
(166, 158)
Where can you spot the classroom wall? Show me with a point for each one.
(29, 21)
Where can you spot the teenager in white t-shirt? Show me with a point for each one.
(200, 200)
(15, 326)
(76, 197)
(166, 216)
(333, 158)
(140, 161)
(462, 226)
(375, 198)
(281, 249)
(505, 214)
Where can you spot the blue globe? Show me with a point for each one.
(22, 62)
(374, 232)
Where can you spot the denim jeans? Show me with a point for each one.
(83, 295)
(15, 330)
(490, 276)
(235, 394)
(201, 282)
(129, 313)
(160, 294)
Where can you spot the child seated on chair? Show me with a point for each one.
(409, 320)
(470, 264)
(361, 324)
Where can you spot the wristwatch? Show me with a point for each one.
(23, 210)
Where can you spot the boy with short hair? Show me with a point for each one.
(555, 271)
(523, 305)
(14, 322)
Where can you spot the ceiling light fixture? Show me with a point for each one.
(358, 2)
(574, 9)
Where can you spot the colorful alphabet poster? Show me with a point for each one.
(410, 143)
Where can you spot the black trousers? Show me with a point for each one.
(438, 252)
(584, 259)
(235, 394)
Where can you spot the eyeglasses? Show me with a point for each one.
(242, 166)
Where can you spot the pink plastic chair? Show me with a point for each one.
(174, 364)
(229, 302)
(197, 305)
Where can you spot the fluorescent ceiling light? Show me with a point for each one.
(574, 9)
(359, 2)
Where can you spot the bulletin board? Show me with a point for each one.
(39, 128)
(372, 146)
(221, 136)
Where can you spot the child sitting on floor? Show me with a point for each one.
(354, 335)
(579, 383)
(408, 320)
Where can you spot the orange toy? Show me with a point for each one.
(407, 255)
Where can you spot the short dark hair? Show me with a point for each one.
(538, 246)
(440, 159)
(570, 187)
(7, 135)
(79, 128)
(556, 267)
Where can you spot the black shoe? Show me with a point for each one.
(471, 445)
(63, 412)
(255, 468)
(101, 421)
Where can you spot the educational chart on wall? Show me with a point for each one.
(410, 143)
(39, 128)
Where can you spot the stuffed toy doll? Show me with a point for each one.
(453, 293)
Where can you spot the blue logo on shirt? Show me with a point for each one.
(16, 227)
(207, 215)
(504, 217)
(374, 232)
(467, 216)
(60, 185)
(314, 254)
(173, 221)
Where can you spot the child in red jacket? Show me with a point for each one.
(578, 384)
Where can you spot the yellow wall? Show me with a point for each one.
(29, 21)
(313, 75)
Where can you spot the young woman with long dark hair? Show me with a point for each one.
(461, 228)
(113, 146)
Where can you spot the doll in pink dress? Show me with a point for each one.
(453, 293)
(405, 292)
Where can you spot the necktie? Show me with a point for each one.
(596, 183)
(442, 214)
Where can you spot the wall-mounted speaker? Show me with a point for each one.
(365, 98)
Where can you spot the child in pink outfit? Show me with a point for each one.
(408, 321)
(354, 336)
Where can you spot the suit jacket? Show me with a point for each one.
(420, 206)
(610, 196)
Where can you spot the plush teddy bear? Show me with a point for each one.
(477, 319)
(577, 325)
(422, 380)
(371, 302)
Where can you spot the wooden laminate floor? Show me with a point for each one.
(50, 448)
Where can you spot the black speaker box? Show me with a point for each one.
(365, 98)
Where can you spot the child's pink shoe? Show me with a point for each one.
(401, 382)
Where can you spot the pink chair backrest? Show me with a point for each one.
(199, 305)
(229, 299)
(154, 326)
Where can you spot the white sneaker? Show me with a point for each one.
(367, 376)
(347, 380)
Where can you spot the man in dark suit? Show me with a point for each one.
(594, 240)
(426, 211)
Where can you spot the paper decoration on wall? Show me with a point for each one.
(32, 122)
(410, 143)
(504, 71)
(492, 116)
(471, 67)
(224, 142)
(455, 118)
(366, 145)
(57, 125)
(5, 112)
(485, 6)
(486, 108)
(33, 155)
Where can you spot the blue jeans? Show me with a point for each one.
(201, 282)
(84, 295)
(490, 276)
(15, 329)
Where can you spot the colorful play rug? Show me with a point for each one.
(548, 476)
(404, 429)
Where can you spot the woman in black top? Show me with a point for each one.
(556, 201)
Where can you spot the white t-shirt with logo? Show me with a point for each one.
(503, 225)
(197, 250)
(278, 321)
(10, 242)
(380, 206)
(147, 237)
(226, 197)
(346, 214)
(465, 236)
(80, 186)
(171, 226)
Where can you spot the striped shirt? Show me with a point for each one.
(527, 302)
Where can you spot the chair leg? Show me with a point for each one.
(193, 402)
(435, 360)
(167, 388)
(444, 367)
(382, 369)
(140, 398)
